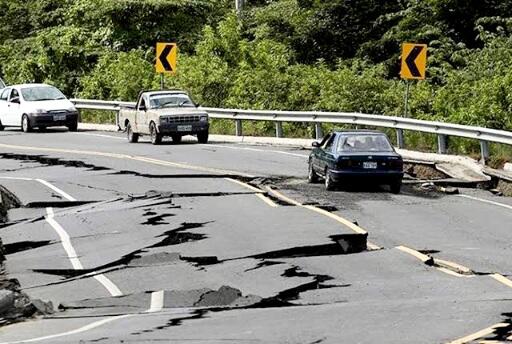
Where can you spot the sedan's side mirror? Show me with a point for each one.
(15, 100)
(316, 144)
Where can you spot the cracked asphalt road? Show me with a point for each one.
(141, 243)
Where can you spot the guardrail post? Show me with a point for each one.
(318, 131)
(279, 129)
(442, 144)
(400, 141)
(484, 149)
(238, 127)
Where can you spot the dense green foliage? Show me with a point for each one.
(336, 55)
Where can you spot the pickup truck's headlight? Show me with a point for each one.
(204, 119)
(164, 119)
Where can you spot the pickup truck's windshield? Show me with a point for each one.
(40, 93)
(164, 100)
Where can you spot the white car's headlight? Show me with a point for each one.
(40, 112)
(164, 119)
(204, 119)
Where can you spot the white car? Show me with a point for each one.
(36, 105)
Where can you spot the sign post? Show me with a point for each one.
(414, 66)
(166, 54)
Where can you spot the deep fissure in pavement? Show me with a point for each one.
(47, 161)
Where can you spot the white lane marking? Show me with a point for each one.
(93, 325)
(16, 178)
(506, 206)
(259, 150)
(109, 285)
(45, 183)
(105, 136)
(479, 334)
(72, 255)
(57, 190)
(72, 332)
(157, 302)
(64, 239)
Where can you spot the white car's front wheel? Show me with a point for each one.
(25, 124)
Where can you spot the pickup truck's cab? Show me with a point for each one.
(164, 113)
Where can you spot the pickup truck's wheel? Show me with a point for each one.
(156, 138)
(132, 137)
(25, 124)
(202, 137)
(176, 138)
(73, 126)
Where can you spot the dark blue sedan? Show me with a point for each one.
(357, 155)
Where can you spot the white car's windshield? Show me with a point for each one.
(170, 100)
(364, 143)
(40, 93)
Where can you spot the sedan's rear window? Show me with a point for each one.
(364, 143)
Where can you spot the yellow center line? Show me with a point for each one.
(453, 273)
(479, 334)
(259, 192)
(457, 268)
(423, 257)
(335, 217)
(502, 279)
(128, 157)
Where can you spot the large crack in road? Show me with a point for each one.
(220, 252)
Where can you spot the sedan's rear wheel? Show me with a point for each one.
(156, 138)
(329, 183)
(1, 126)
(132, 137)
(25, 124)
(312, 176)
(396, 187)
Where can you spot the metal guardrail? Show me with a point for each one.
(441, 129)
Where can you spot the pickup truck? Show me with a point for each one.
(164, 113)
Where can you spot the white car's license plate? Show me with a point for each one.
(59, 118)
(184, 128)
(370, 165)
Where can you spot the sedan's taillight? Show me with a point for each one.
(396, 164)
(346, 163)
